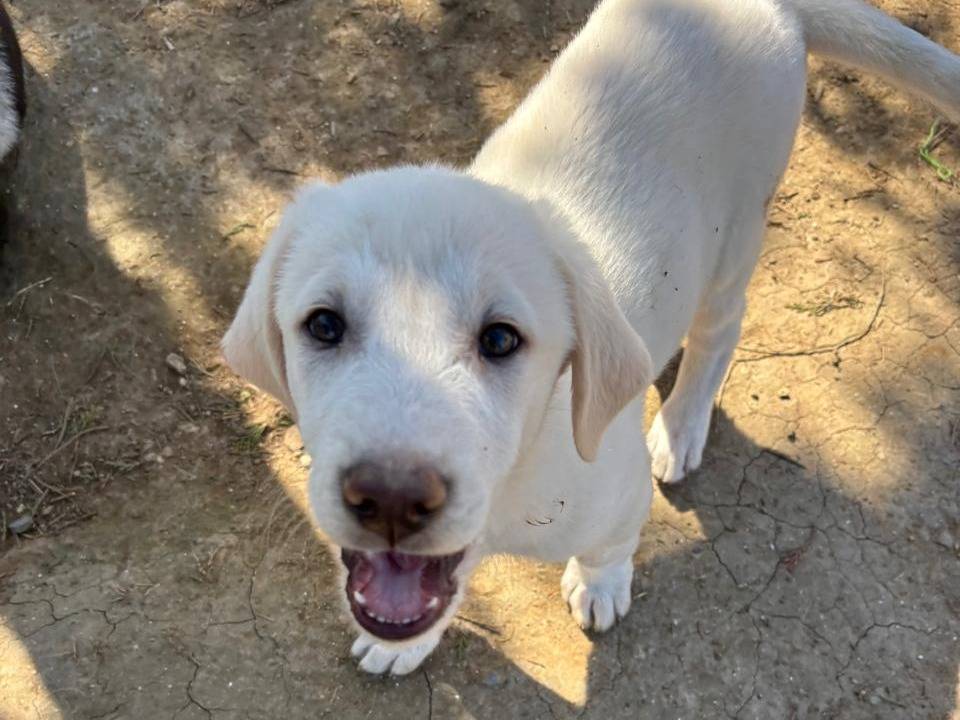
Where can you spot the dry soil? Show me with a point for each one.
(809, 570)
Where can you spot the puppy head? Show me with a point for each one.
(415, 321)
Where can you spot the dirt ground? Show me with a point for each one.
(810, 569)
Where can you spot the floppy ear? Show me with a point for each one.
(610, 364)
(253, 346)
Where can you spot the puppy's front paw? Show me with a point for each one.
(597, 596)
(378, 657)
(676, 448)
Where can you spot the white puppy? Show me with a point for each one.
(434, 331)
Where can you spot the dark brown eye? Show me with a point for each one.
(326, 326)
(498, 341)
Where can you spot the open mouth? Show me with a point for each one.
(396, 596)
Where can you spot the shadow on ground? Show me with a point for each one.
(809, 569)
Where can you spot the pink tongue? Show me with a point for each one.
(394, 588)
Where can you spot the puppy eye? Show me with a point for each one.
(326, 326)
(498, 341)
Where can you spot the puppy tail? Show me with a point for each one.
(857, 34)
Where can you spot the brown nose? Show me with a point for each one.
(391, 499)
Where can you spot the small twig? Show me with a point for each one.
(56, 377)
(36, 487)
(28, 288)
(200, 367)
(74, 521)
(869, 192)
(786, 458)
(89, 303)
(38, 503)
(882, 171)
(72, 439)
(237, 230)
(63, 424)
(184, 412)
(125, 467)
(823, 350)
(282, 171)
(74, 460)
(247, 134)
(481, 625)
(96, 367)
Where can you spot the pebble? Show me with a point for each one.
(292, 440)
(945, 539)
(177, 364)
(494, 680)
(21, 524)
(305, 460)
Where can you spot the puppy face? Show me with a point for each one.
(416, 321)
(421, 275)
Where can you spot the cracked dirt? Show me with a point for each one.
(810, 569)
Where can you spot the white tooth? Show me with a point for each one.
(381, 619)
(358, 596)
(434, 601)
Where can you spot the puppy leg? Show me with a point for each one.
(597, 586)
(679, 431)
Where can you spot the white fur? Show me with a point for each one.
(620, 209)
(378, 658)
(9, 120)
